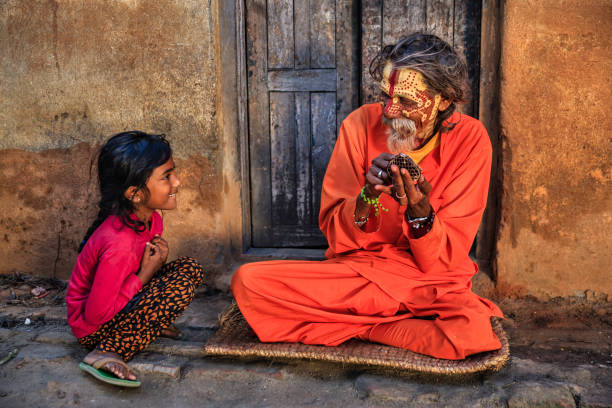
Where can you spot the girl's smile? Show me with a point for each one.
(162, 188)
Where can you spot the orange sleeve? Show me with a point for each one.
(458, 213)
(344, 178)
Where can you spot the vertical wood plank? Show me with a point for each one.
(371, 42)
(259, 149)
(347, 60)
(243, 123)
(440, 14)
(302, 159)
(403, 17)
(280, 34)
(323, 115)
(489, 111)
(466, 40)
(322, 33)
(301, 21)
(293, 132)
(282, 157)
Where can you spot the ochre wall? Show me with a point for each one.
(554, 238)
(72, 74)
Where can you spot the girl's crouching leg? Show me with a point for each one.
(184, 276)
(191, 268)
(184, 273)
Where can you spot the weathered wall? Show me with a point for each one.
(73, 73)
(555, 91)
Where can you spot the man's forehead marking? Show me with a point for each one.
(392, 80)
(405, 81)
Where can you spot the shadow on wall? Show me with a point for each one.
(48, 199)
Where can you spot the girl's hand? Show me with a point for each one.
(162, 244)
(150, 263)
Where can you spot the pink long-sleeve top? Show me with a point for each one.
(104, 277)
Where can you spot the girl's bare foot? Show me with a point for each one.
(121, 371)
(171, 332)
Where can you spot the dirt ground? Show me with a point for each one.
(561, 355)
(580, 326)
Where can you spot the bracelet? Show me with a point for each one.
(422, 225)
(360, 222)
(420, 222)
(372, 201)
(417, 221)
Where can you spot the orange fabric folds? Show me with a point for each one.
(378, 283)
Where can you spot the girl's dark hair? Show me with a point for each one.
(444, 70)
(126, 159)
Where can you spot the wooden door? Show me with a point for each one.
(302, 79)
(456, 22)
(303, 72)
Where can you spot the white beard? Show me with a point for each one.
(401, 135)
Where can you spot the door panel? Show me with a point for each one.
(323, 114)
(294, 111)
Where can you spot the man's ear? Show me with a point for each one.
(133, 194)
(444, 104)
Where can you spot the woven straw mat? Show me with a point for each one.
(236, 339)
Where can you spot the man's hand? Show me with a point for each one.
(406, 192)
(377, 177)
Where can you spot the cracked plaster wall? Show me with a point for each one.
(555, 93)
(73, 73)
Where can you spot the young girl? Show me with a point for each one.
(122, 295)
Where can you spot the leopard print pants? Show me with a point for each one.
(154, 308)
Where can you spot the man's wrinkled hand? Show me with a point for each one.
(415, 196)
(377, 178)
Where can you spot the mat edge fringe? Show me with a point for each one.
(231, 314)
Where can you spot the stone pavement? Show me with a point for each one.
(44, 373)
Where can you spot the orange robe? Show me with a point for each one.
(378, 283)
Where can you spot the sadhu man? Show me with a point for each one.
(397, 269)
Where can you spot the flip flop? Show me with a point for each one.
(104, 376)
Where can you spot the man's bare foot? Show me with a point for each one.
(171, 332)
(117, 369)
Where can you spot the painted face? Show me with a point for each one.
(405, 93)
(163, 186)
